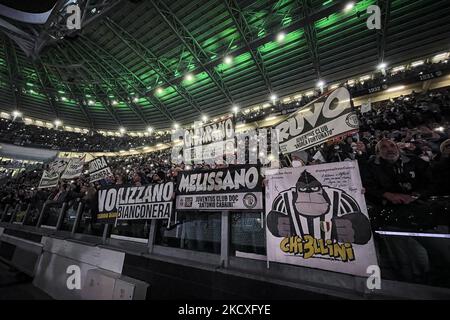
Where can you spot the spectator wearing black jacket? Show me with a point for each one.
(393, 178)
(441, 171)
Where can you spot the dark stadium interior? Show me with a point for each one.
(120, 89)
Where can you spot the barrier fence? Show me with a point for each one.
(414, 255)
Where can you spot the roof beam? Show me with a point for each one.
(116, 83)
(152, 100)
(247, 35)
(151, 60)
(385, 6)
(191, 44)
(105, 102)
(49, 96)
(310, 34)
(75, 97)
(47, 83)
(13, 72)
(321, 13)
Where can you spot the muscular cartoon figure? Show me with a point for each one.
(306, 209)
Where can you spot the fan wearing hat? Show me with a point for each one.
(299, 158)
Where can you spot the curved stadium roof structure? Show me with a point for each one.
(153, 63)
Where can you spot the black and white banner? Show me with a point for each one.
(234, 188)
(154, 201)
(317, 217)
(74, 169)
(58, 166)
(366, 106)
(208, 142)
(324, 118)
(99, 169)
(49, 179)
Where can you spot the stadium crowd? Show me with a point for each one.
(402, 147)
(15, 131)
(18, 133)
(416, 126)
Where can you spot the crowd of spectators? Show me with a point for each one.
(18, 133)
(15, 131)
(402, 147)
(417, 124)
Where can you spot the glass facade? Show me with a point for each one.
(198, 231)
(247, 233)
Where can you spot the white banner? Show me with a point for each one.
(233, 188)
(366, 107)
(74, 168)
(326, 117)
(99, 169)
(48, 180)
(58, 166)
(317, 217)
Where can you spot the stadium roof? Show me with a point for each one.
(153, 63)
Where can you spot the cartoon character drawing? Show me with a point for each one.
(320, 211)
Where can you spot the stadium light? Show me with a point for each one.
(273, 97)
(334, 86)
(417, 63)
(63, 98)
(114, 102)
(57, 122)
(397, 88)
(91, 102)
(235, 109)
(122, 130)
(349, 6)
(189, 77)
(281, 36)
(159, 90)
(204, 118)
(382, 66)
(228, 60)
(176, 125)
(16, 113)
(149, 129)
(135, 99)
